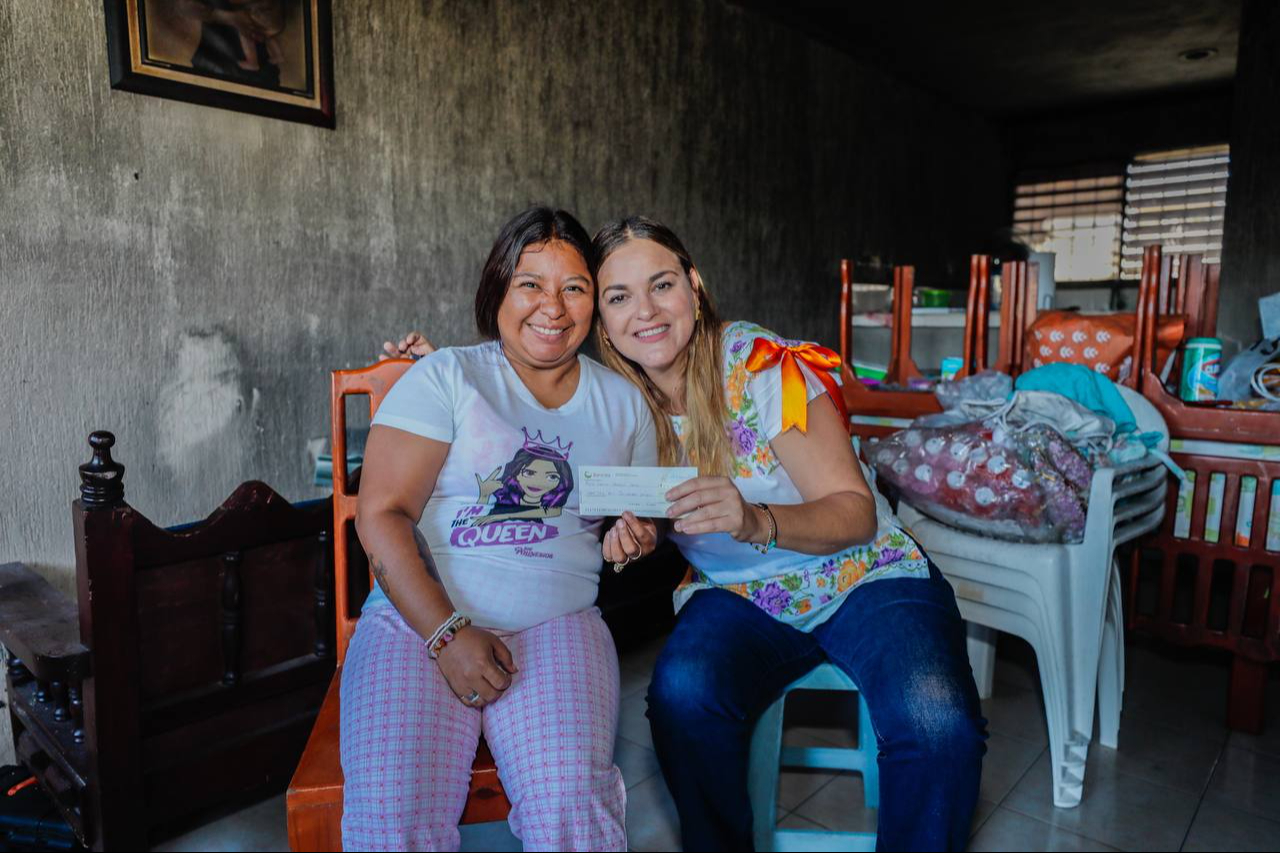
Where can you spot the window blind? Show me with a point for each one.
(1099, 218)
(1077, 215)
(1177, 199)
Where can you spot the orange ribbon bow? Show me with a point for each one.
(795, 399)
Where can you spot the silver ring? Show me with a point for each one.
(473, 698)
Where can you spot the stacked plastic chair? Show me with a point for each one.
(1062, 599)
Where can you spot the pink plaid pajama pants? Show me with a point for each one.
(408, 742)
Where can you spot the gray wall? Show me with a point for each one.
(1251, 235)
(185, 276)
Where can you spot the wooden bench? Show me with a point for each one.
(1199, 580)
(188, 674)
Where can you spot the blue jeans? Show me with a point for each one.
(902, 642)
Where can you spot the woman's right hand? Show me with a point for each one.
(476, 661)
(630, 538)
(413, 345)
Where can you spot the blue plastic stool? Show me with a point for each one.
(768, 756)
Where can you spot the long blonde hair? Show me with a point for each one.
(706, 438)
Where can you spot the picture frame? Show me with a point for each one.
(268, 57)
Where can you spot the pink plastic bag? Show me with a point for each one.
(1029, 486)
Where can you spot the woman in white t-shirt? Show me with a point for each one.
(796, 561)
(483, 617)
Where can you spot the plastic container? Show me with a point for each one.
(933, 298)
(1201, 364)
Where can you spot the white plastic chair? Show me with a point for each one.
(1062, 599)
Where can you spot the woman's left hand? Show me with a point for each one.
(629, 539)
(713, 505)
(413, 345)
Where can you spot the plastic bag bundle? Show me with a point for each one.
(1027, 486)
(986, 385)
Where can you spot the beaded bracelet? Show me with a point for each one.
(443, 635)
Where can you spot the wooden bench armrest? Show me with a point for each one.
(41, 626)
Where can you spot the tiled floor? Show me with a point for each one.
(1179, 780)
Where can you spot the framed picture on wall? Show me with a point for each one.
(270, 57)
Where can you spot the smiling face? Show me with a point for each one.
(546, 313)
(647, 304)
(537, 478)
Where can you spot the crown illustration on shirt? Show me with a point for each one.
(539, 446)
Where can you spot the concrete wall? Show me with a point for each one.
(1251, 234)
(185, 276)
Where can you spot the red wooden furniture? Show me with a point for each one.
(1220, 591)
(1017, 314)
(898, 403)
(314, 800)
(185, 676)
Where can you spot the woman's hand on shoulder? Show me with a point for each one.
(630, 538)
(413, 345)
(714, 505)
(477, 661)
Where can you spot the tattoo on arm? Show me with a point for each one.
(380, 573)
(379, 569)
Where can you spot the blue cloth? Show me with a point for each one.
(901, 641)
(1087, 387)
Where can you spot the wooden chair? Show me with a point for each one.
(1018, 312)
(189, 672)
(891, 407)
(1201, 579)
(1190, 293)
(314, 800)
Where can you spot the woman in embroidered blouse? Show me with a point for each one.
(763, 420)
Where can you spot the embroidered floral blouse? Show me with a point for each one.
(802, 590)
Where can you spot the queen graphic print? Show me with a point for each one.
(515, 502)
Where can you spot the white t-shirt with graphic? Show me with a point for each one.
(503, 523)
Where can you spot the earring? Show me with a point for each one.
(608, 343)
(697, 310)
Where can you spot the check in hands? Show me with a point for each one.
(714, 505)
(700, 505)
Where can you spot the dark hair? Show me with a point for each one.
(613, 235)
(533, 226)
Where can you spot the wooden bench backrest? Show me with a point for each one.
(374, 382)
(209, 646)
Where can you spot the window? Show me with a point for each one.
(1077, 215)
(1099, 218)
(1177, 199)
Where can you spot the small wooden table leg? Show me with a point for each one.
(1246, 700)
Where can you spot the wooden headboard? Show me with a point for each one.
(210, 647)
